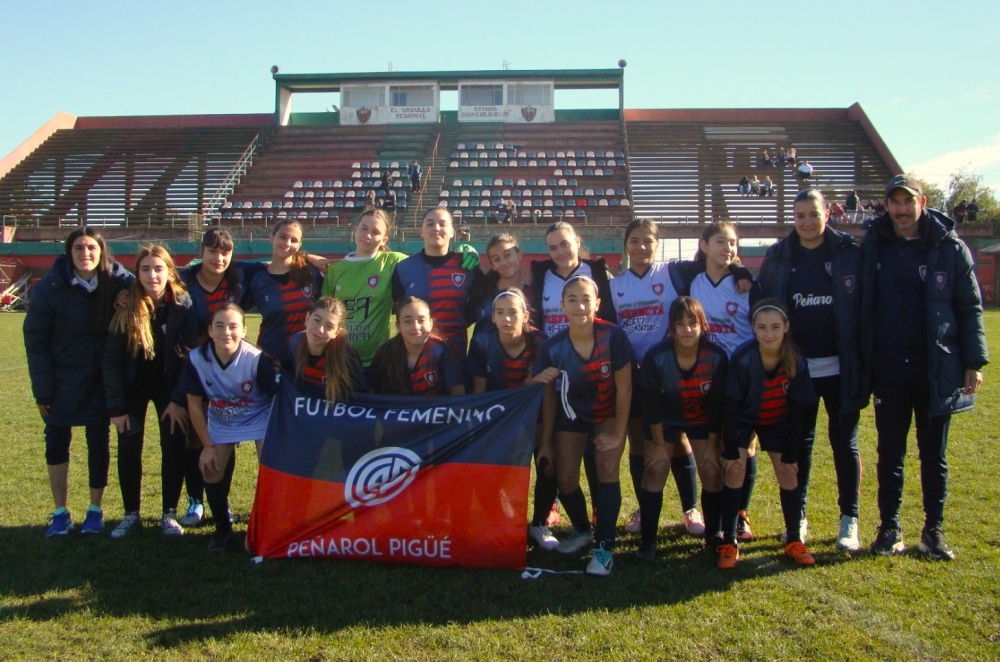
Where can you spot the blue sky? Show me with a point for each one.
(926, 76)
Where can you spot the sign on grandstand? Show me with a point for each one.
(500, 101)
(384, 103)
(430, 481)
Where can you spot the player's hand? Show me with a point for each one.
(121, 423)
(470, 256)
(546, 376)
(177, 416)
(973, 380)
(607, 441)
(208, 461)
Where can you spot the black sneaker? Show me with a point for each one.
(220, 540)
(647, 553)
(888, 541)
(933, 545)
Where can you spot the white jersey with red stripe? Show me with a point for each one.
(727, 310)
(643, 303)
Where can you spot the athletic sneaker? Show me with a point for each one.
(93, 522)
(743, 531)
(576, 541)
(646, 554)
(712, 542)
(131, 522)
(803, 532)
(220, 540)
(694, 524)
(888, 541)
(601, 562)
(634, 524)
(799, 553)
(933, 545)
(729, 554)
(169, 524)
(195, 513)
(554, 516)
(847, 539)
(543, 537)
(59, 525)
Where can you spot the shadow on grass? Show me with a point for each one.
(220, 595)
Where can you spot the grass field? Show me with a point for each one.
(169, 599)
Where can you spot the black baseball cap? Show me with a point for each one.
(906, 182)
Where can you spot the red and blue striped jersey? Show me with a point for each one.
(283, 305)
(314, 372)
(684, 398)
(488, 359)
(445, 286)
(763, 398)
(587, 385)
(205, 303)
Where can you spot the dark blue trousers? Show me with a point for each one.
(902, 393)
(843, 432)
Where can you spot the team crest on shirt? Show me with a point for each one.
(848, 282)
(784, 386)
(231, 298)
(829, 268)
(373, 282)
(922, 270)
(658, 289)
(940, 279)
(458, 279)
(732, 308)
(247, 387)
(431, 377)
(605, 369)
(706, 386)
(307, 290)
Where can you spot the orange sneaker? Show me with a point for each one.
(799, 553)
(729, 554)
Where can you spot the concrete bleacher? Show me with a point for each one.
(686, 165)
(118, 171)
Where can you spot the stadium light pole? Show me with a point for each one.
(621, 89)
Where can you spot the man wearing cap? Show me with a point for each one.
(923, 346)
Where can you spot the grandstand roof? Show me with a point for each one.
(448, 80)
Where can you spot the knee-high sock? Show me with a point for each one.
(576, 507)
(650, 506)
(545, 495)
(791, 508)
(711, 505)
(192, 474)
(749, 480)
(636, 469)
(685, 472)
(590, 469)
(609, 505)
(730, 501)
(218, 496)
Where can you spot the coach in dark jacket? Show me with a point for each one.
(816, 272)
(923, 344)
(64, 334)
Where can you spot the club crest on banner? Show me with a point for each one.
(363, 114)
(528, 113)
(380, 475)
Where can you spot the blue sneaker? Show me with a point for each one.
(59, 525)
(195, 513)
(601, 562)
(93, 522)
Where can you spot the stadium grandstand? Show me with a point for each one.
(168, 177)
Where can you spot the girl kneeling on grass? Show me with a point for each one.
(502, 358)
(683, 383)
(767, 392)
(143, 361)
(228, 372)
(594, 381)
(416, 361)
(321, 358)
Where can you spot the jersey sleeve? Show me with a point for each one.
(649, 386)
(476, 361)
(191, 380)
(542, 359)
(621, 349)
(451, 368)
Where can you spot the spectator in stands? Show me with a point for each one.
(744, 187)
(960, 210)
(464, 232)
(972, 211)
(781, 159)
(386, 180)
(851, 206)
(767, 187)
(836, 213)
(370, 199)
(415, 174)
(765, 158)
(804, 171)
(64, 335)
(791, 156)
(389, 201)
(755, 186)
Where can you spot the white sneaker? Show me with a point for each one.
(634, 524)
(803, 532)
(847, 539)
(576, 541)
(543, 537)
(601, 563)
(169, 524)
(694, 524)
(131, 522)
(195, 513)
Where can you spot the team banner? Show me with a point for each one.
(433, 481)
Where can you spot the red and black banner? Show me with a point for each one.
(433, 481)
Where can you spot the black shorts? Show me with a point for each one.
(771, 438)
